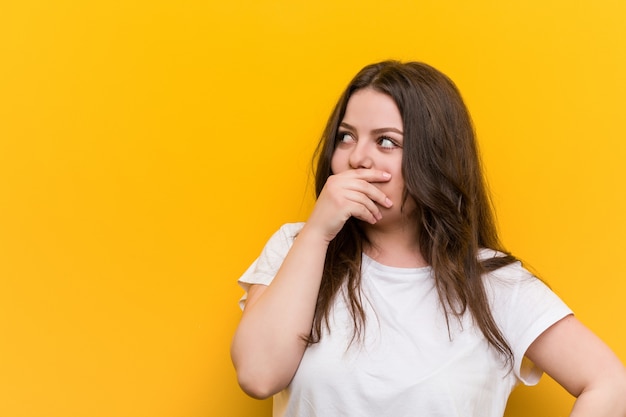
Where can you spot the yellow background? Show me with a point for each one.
(149, 148)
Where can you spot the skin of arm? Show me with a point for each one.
(586, 367)
(269, 341)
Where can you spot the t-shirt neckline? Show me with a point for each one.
(395, 269)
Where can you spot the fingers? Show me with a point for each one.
(364, 205)
(350, 194)
(362, 180)
(369, 175)
(360, 206)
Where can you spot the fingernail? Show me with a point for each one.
(388, 202)
(386, 175)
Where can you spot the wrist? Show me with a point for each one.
(314, 236)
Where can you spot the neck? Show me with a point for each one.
(396, 245)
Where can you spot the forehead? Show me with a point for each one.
(368, 107)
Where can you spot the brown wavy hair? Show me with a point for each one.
(443, 175)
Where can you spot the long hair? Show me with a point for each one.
(443, 175)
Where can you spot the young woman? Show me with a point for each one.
(396, 298)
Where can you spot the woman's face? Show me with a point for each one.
(371, 136)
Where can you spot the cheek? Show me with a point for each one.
(337, 163)
(394, 187)
(397, 179)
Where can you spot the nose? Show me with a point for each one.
(360, 156)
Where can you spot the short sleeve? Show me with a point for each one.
(264, 268)
(523, 308)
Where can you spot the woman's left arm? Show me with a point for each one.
(586, 367)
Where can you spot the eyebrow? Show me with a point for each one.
(375, 131)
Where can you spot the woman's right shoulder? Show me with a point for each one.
(291, 229)
(283, 238)
(265, 267)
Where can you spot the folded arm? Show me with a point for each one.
(270, 339)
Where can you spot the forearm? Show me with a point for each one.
(268, 344)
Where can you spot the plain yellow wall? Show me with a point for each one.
(149, 148)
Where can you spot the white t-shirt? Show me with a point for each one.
(409, 363)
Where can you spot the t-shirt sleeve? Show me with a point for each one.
(523, 308)
(264, 268)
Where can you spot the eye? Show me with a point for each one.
(387, 143)
(344, 137)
